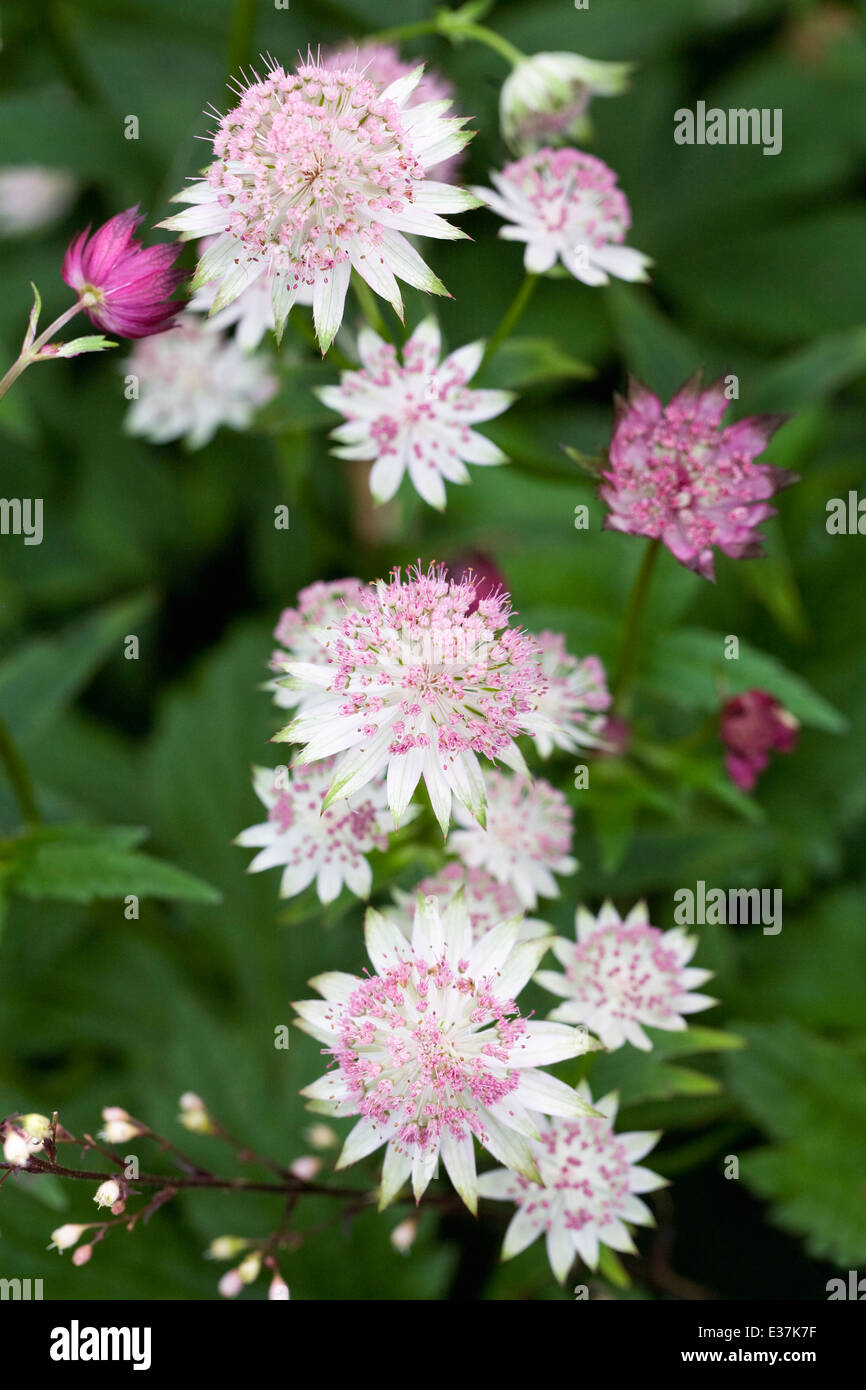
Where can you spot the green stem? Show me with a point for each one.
(241, 33)
(637, 604)
(512, 316)
(19, 777)
(482, 34)
(449, 25)
(29, 354)
(405, 31)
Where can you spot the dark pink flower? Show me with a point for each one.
(126, 287)
(754, 724)
(674, 474)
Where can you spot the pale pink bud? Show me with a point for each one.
(305, 1168)
(403, 1236)
(82, 1254)
(321, 1136)
(16, 1148)
(231, 1284)
(278, 1288)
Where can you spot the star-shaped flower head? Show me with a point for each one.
(566, 206)
(623, 976)
(432, 1053)
(419, 684)
(544, 99)
(415, 416)
(590, 1178)
(570, 714)
(317, 173)
(527, 838)
(329, 846)
(675, 475)
(191, 381)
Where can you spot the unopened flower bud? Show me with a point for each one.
(249, 1268)
(66, 1236)
(231, 1284)
(305, 1168)
(321, 1136)
(107, 1193)
(544, 99)
(16, 1148)
(278, 1288)
(120, 1131)
(225, 1247)
(403, 1236)
(82, 1254)
(194, 1115)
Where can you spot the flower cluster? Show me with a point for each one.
(418, 684)
(621, 977)
(676, 475)
(415, 416)
(753, 725)
(586, 1196)
(432, 1053)
(317, 173)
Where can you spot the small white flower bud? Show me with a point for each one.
(248, 1269)
(66, 1236)
(403, 1236)
(321, 1136)
(305, 1168)
(278, 1288)
(16, 1148)
(194, 1115)
(231, 1284)
(35, 1126)
(107, 1193)
(225, 1247)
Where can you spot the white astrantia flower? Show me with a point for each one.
(415, 416)
(622, 976)
(590, 1181)
(566, 206)
(487, 901)
(527, 839)
(191, 381)
(422, 678)
(251, 314)
(570, 712)
(431, 1051)
(298, 632)
(328, 846)
(32, 196)
(317, 173)
(544, 99)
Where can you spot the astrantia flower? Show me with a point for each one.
(191, 381)
(566, 206)
(623, 975)
(328, 846)
(527, 839)
(317, 173)
(431, 1051)
(320, 605)
(590, 1178)
(419, 684)
(415, 416)
(480, 570)
(569, 714)
(125, 288)
(675, 475)
(544, 99)
(31, 196)
(251, 314)
(753, 725)
(382, 64)
(487, 901)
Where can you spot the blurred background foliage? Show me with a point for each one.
(758, 271)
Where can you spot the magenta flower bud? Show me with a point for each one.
(126, 287)
(753, 725)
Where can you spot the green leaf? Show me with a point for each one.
(689, 669)
(612, 1268)
(43, 677)
(94, 342)
(808, 1095)
(79, 864)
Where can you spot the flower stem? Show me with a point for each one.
(491, 39)
(450, 25)
(511, 318)
(241, 33)
(19, 777)
(29, 354)
(637, 604)
(370, 308)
